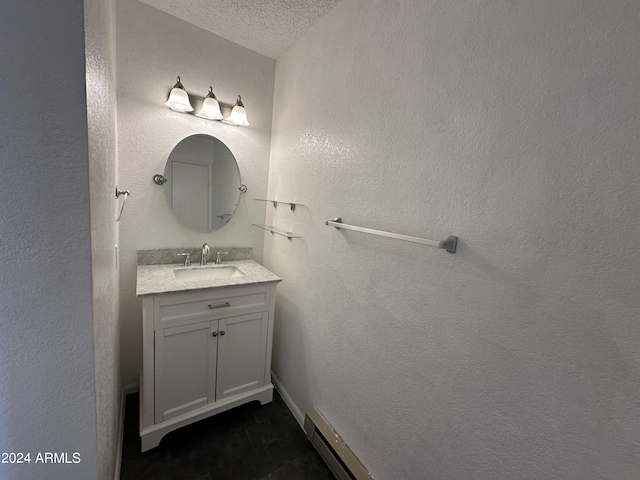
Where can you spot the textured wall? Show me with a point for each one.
(47, 389)
(101, 121)
(152, 49)
(513, 125)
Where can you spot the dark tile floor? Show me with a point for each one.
(250, 442)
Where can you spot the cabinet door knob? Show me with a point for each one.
(214, 334)
(221, 332)
(226, 304)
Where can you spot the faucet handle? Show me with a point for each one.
(218, 260)
(187, 258)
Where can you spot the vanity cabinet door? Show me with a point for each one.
(241, 354)
(185, 369)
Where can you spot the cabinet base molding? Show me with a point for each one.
(150, 436)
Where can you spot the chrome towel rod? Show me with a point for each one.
(449, 244)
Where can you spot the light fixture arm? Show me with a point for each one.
(179, 84)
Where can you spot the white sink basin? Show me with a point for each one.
(204, 273)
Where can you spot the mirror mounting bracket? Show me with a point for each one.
(159, 179)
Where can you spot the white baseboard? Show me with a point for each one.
(297, 413)
(120, 444)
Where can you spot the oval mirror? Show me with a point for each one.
(203, 180)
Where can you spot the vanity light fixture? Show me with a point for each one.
(178, 99)
(238, 114)
(210, 107)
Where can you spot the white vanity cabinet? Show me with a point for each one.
(199, 364)
(204, 352)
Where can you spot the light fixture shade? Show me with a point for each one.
(210, 107)
(239, 114)
(178, 99)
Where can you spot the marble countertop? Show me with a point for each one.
(153, 279)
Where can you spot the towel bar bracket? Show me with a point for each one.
(450, 244)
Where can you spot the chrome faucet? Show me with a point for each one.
(205, 254)
(218, 260)
(187, 258)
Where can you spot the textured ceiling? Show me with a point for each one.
(268, 27)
